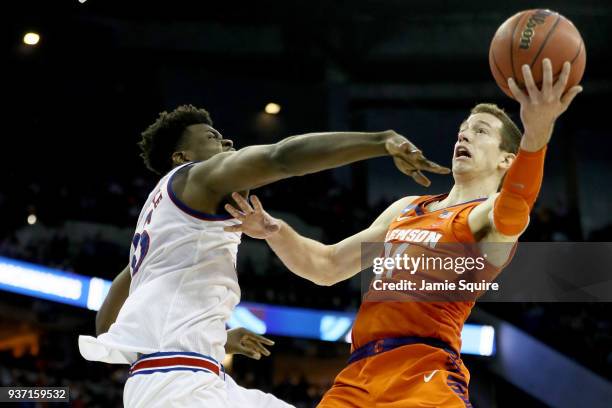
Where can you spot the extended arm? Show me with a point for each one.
(506, 215)
(255, 166)
(310, 259)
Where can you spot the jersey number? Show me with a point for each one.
(143, 241)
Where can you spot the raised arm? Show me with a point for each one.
(310, 259)
(506, 215)
(256, 166)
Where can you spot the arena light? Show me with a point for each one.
(478, 340)
(487, 341)
(272, 108)
(98, 289)
(40, 282)
(334, 328)
(32, 219)
(243, 317)
(31, 38)
(327, 325)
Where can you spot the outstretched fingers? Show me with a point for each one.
(256, 203)
(234, 212)
(262, 339)
(417, 159)
(242, 203)
(428, 165)
(420, 178)
(547, 79)
(404, 166)
(569, 96)
(255, 347)
(532, 88)
(561, 83)
(518, 94)
(233, 228)
(411, 170)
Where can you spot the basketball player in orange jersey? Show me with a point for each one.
(406, 354)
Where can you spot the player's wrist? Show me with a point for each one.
(536, 138)
(282, 225)
(385, 137)
(532, 153)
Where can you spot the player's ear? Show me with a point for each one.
(507, 159)
(179, 158)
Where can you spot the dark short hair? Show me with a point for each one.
(163, 137)
(510, 133)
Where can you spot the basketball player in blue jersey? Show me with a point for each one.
(167, 311)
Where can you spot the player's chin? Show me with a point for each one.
(461, 164)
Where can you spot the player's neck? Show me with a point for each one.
(471, 189)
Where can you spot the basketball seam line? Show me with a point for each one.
(578, 53)
(546, 40)
(572, 61)
(497, 66)
(518, 20)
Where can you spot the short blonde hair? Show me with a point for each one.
(510, 133)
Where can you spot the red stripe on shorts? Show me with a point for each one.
(175, 361)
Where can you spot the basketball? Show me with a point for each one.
(529, 37)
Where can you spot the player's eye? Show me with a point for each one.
(481, 130)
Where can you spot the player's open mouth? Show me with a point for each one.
(461, 152)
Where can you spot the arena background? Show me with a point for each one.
(73, 184)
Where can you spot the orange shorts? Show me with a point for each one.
(415, 375)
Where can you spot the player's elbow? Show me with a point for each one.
(326, 268)
(319, 273)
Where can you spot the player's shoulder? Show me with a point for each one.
(199, 172)
(406, 201)
(205, 166)
(387, 216)
(403, 203)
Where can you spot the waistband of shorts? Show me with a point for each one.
(380, 346)
(166, 361)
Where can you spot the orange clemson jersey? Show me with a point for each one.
(406, 344)
(438, 233)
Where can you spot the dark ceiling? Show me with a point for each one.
(362, 41)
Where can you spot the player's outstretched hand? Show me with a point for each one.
(247, 343)
(256, 222)
(410, 160)
(541, 107)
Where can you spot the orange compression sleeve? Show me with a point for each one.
(519, 192)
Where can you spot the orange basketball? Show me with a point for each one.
(530, 36)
